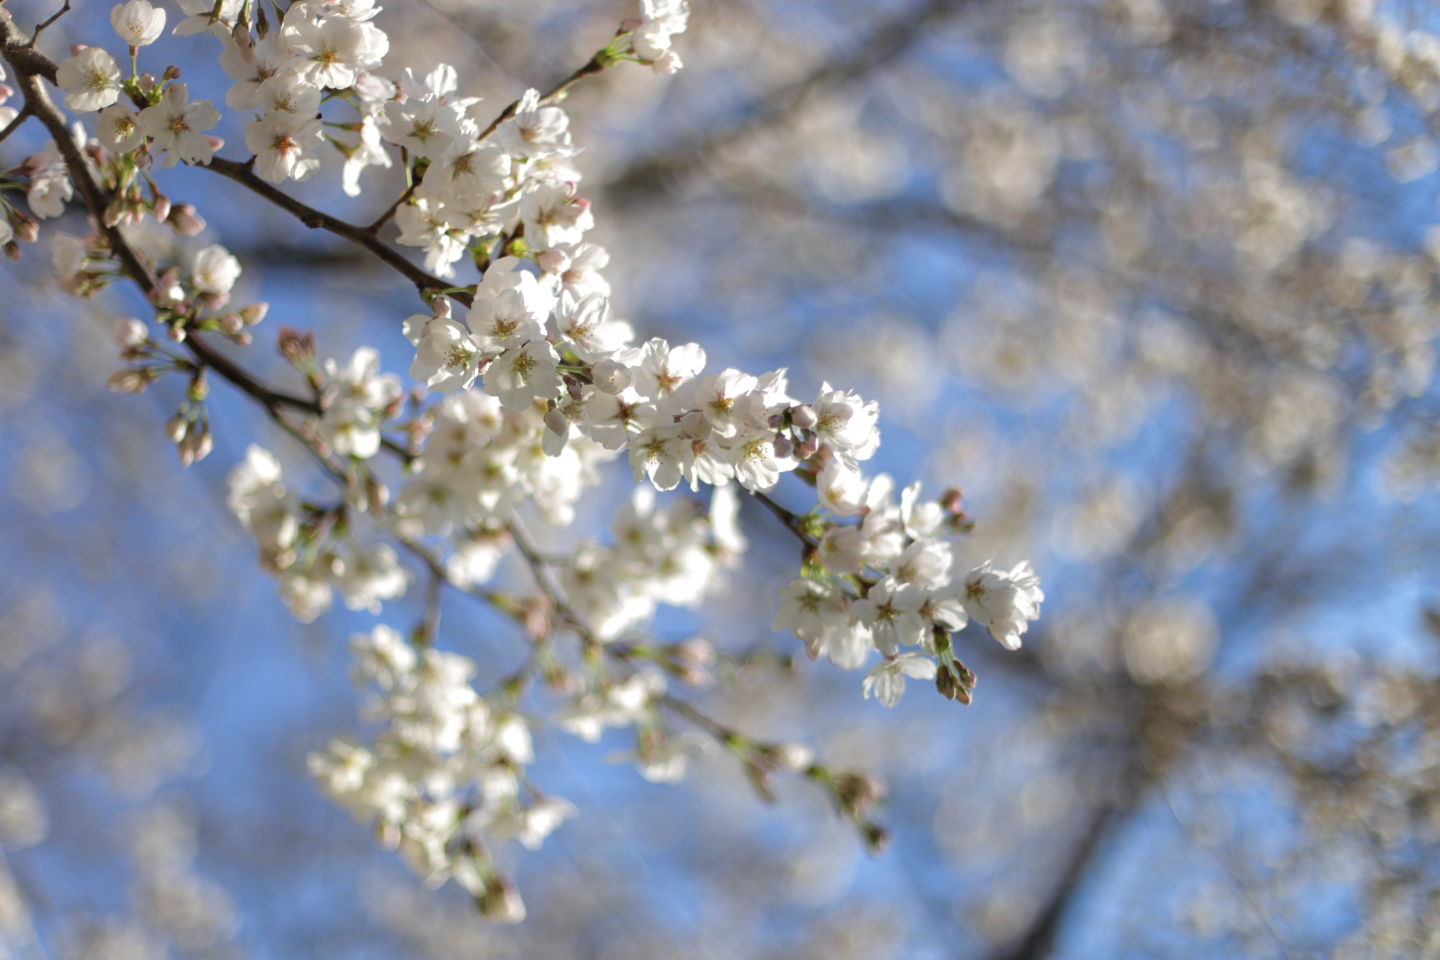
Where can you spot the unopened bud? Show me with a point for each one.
(795, 757)
(877, 838)
(803, 416)
(184, 220)
(231, 324)
(196, 445)
(199, 388)
(172, 72)
(12, 250)
(253, 313)
(783, 446)
(160, 208)
(129, 332)
(294, 346)
(176, 427)
(500, 902)
(128, 381)
(807, 448)
(25, 227)
(377, 495)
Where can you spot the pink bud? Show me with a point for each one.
(161, 208)
(184, 220)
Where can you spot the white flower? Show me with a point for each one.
(137, 22)
(285, 145)
(552, 214)
(587, 322)
(886, 681)
(367, 574)
(177, 126)
(522, 375)
(357, 398)
(334, 51)
(658, 452)
(718, 395)
(447, 356)
(215, 271)
(812, 611)
(262, 505)
(534, 131)
(846, 423)
(757, 465)
(382, 657)
(51, 187)
(891, 610)
(506, 318)
(117, 129)
(1004, 602)
(90, 79)
(426, 128)
(664, 370)
(205, 15)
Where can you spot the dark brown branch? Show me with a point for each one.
(315, 219)
(30, 69)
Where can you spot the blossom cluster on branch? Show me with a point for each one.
(525, 384)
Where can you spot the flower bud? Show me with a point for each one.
(296, 347)
(128, 381)
(500, 902)
(556, 421)
(803, 416)
(783, 446)
(231, 324)
(808, 447)
(160, 208)
(129, 332)
(184, 220)
(26, 229)
(795, 757)
(253, 313)
(172, 72)
(12, 250)
(176, 427)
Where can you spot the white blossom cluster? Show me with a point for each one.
(526, 384)
(313, 553)
(445, 776)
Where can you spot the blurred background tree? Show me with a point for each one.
(1154, 282)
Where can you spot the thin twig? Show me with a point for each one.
(47, 22)
(15, 124)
